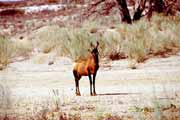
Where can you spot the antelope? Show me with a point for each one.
(87, 67)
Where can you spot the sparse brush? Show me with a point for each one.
(47, 38)
(21, 48)
(163, 35)
(5, 51)
(56, 99)
(77, 44)
(10, 49)
(65, 41)
(90, 25)
(156, 37)
(136, 41)
(112, 42)
(135, 44)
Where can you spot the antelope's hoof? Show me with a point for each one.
(94, 94)
(78, 94)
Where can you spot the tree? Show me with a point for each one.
(159, 6)
(124, 12)
(139, 10)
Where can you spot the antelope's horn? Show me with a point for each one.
(92, 44)
(97, 44)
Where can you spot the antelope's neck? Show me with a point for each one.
(96, 60)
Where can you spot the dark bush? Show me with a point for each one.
(11, 12)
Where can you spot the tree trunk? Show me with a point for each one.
(150, 11)
(124, 12)
(139, 10)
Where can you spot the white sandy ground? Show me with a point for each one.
(26, 87)
(39, 8)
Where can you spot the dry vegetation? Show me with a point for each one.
(138, 41)
(51, 108)
(11, 49)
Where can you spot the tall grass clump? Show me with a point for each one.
(164, 34)
(110, 43)
(4, 50)
(136, 45)
(78, 43)
(11, 49)
(21, 48)
(70, 42)
(156, 37)
(47, 38)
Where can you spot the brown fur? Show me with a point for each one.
(87, 68)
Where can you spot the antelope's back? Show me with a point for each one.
(80, 68)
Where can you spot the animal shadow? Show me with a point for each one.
(104, 94)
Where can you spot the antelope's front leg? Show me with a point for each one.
(94, 89)
(90, 81)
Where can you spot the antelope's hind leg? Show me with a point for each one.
(77, 77)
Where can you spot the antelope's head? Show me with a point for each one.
(94, 51)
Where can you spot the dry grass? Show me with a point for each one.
(4, 51)
(146, 113)
(158, 112)
(154, 37)
(69, 42)
(137, 41)
(10, 49)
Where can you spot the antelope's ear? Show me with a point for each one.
(97, 44)
(92, 45)
(89, 50)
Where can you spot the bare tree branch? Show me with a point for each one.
(139, 10)
(124, 12)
